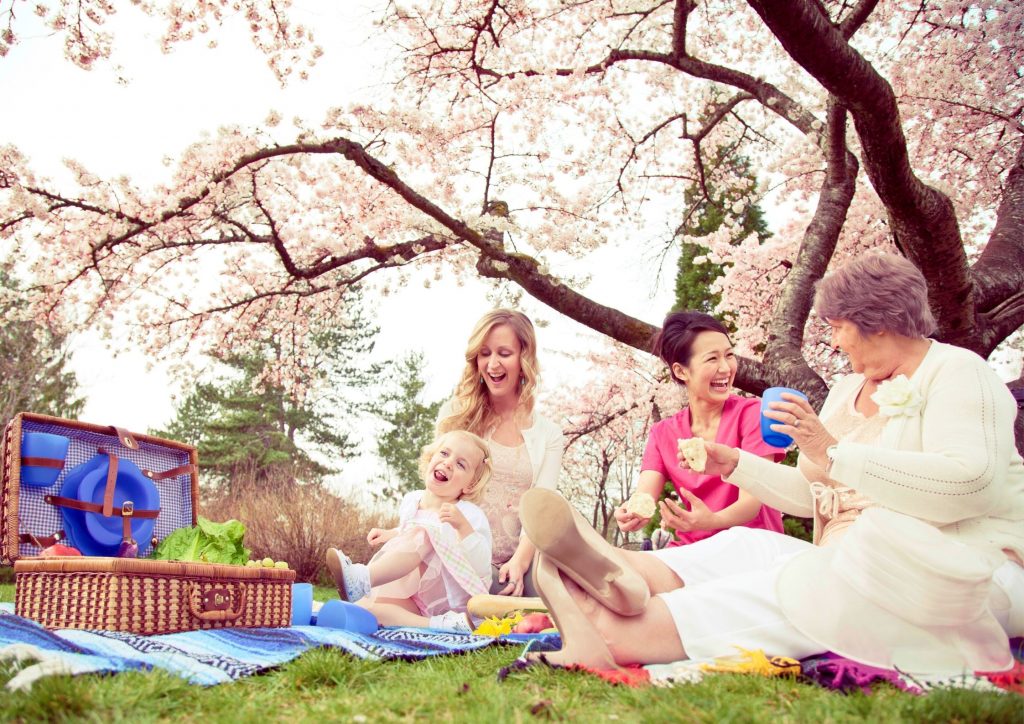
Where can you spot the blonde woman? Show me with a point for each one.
(495, 399)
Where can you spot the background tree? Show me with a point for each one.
(494, 98)
(253, 431)
(408, 424)
(707, 209)
(34, 374)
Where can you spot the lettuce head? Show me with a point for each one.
(206, 542)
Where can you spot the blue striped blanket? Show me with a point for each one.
(212, 656)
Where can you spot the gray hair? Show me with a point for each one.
(877, 293)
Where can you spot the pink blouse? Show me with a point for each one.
(739, 427)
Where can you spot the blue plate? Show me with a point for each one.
(74, 520)
(96, 535)
(132, 486)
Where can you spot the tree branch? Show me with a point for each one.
(783, 353)
(999, 272)
(923, 220)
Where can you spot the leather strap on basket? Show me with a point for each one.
(111, 486)
(214, 604)
(187, 469)
(98, 508)
(42, 462)
(126, 438)
(172, 473)
(41, 541)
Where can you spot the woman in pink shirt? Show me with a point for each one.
(699, 355)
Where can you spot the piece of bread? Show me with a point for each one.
(641, 504)
(485, 605)
(695, 453)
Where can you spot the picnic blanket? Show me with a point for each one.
(829, 670)
(213, 656)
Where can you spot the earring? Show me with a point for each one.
(522, 381)
(481, 379)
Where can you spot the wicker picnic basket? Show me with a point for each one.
(134, 595)
(150, 597)
(29, 521)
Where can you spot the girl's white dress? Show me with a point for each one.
(452, 570)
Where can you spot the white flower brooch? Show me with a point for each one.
(898, 398)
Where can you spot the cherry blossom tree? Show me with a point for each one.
(606, 423)
(872, 123)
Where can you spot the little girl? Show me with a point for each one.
(440, 553)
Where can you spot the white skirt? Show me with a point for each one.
(728, 599)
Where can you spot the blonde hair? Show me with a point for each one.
(472, 405)
(483, 470)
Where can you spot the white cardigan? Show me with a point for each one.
(953, 464)
(544, 446)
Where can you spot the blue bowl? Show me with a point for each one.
(53, 448)
(347, 616)
(96, 535)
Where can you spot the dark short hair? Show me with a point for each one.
(674, 342)
(877, 293)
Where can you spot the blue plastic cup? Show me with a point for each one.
(48, 451)
(348, 616)
(302, 604)
(770, 436)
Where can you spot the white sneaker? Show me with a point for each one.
(452, 621)
(351, 579)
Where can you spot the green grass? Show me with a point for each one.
(326, 685)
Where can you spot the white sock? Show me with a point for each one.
(452, 621)
(357, 581)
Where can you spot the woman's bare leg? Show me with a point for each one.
(660, 578)
(621, 582)
(648, 638)
(581, 643)
(596, 637)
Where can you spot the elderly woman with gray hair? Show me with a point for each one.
(917, 495)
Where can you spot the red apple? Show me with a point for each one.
(533, 623)
(58, 549)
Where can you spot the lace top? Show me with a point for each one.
(512, 476)
(837, 506)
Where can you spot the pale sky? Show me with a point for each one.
(54, 110)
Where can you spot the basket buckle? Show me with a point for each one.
(216, 599)
(127, 509)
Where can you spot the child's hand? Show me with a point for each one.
(450, 513)
(379, 536)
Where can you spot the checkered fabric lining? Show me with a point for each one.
(42, 519)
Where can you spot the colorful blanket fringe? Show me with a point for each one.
(213, 656)
(829, 670)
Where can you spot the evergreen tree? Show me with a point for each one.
(33, 364)
(251, 431)
(409, 424)
(707, 209)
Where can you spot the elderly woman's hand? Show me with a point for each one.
(799, 420)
